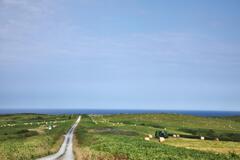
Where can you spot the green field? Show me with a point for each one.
(122, 137)
(119, 137)
(27, 136)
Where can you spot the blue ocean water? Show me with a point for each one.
(105, 111)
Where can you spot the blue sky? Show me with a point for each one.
(126, 54)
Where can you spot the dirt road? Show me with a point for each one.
(66, 150)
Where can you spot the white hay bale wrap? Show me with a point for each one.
(150, 136)
(202, 138)
(161, 139)
(147, 139)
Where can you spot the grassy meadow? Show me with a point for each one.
(27, 136)
(122, 137)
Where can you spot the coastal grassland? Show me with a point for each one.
(234, 118)
(210, 127)
(122, 136)
(26, 136)
(207, 145)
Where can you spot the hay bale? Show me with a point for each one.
(161, 139)
(150, 136)
(147, 139)
(174, 135)
(49, 127)
(177, 135)
(202, 138)
(217, 139)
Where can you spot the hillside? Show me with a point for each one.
(122, 137)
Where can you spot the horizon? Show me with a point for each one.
(119, 109)
(198, 113)
(159, 55)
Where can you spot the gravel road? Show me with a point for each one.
(66, 150)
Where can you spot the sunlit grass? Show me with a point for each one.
(123, 137)
(30, 137)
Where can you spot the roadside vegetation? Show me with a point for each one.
(28, 136)
(122, 137)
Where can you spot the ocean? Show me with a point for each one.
(105, 111)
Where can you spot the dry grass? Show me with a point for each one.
(205, 145)
(39, 130)
(85, 153)
(57, 145)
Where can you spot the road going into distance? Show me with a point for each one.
(66, 150)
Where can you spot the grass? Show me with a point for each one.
(26, 136)
(119, 137)
(85, 153)
(224, 129)
(207, 145)
(122, 136)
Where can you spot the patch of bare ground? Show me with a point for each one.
(38, 130)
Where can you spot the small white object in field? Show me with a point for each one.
(174, 135)
(161, 139)
(146, 139)
(202, 138)
(178, 135)
(150, 136)
(50, 127)
(217, 139)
